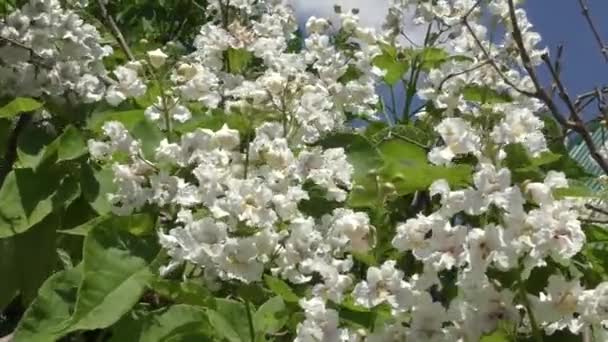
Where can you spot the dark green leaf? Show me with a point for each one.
(96, 184)
(27, 197)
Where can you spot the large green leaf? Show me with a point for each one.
(271, 316)
(178, 323)
(96, 184)
(150, 136)
(402, 152)
(233, 313)
(393, 63)
(48, 314)
(27, 197)
(279, 287)
(32, 269)
(182, 292)
(128, 118)
(136, 224)
(9, 287)
(35, 146)
(18, 106)
(70, 144)
(116, 270)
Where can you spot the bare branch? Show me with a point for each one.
(115, 30)
(575, 122)
(463, 72)
(596, 32)
(485, 52)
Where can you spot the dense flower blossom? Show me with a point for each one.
(233, 200)
(47, 50)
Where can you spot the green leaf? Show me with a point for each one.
(394, 65)
(408, 179)
(361, 153)
(279, 287)
(35, 146)
(402, 152)
(497, 336)
(116, 269)
(238, 60)
(18, 106)
(579, 190)
(128, 118)
(224, 328)
(51, 310)
(71, 144)
(182, 292)
(32, 269)
(150, 136)
(27, 197)
(5, 130)
(235, 313)
(136, 224)
(484, 94)
(432, 58)
(9, 288)
(178, 323)
(352, 73)
(96, 184)
(271, 316)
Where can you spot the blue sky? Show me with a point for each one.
(561, 21)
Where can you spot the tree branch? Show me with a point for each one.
(596, 32)
(575, 122)
(115, 30)
(465, 22)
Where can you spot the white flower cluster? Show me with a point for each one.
(46, 50)
(310, 88)
(234, 203)
(237, 213)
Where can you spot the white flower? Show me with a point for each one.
(382, 284)
(459, 139)
(129, 86)
(557, 306)
(157, 58)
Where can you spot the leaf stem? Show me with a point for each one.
(524, 295)
(250, 320)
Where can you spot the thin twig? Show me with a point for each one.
(596, 209)
(465, 22)
(596, 33)
(558, 66)
(463, 72)
(115, 30)
(575, 122)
